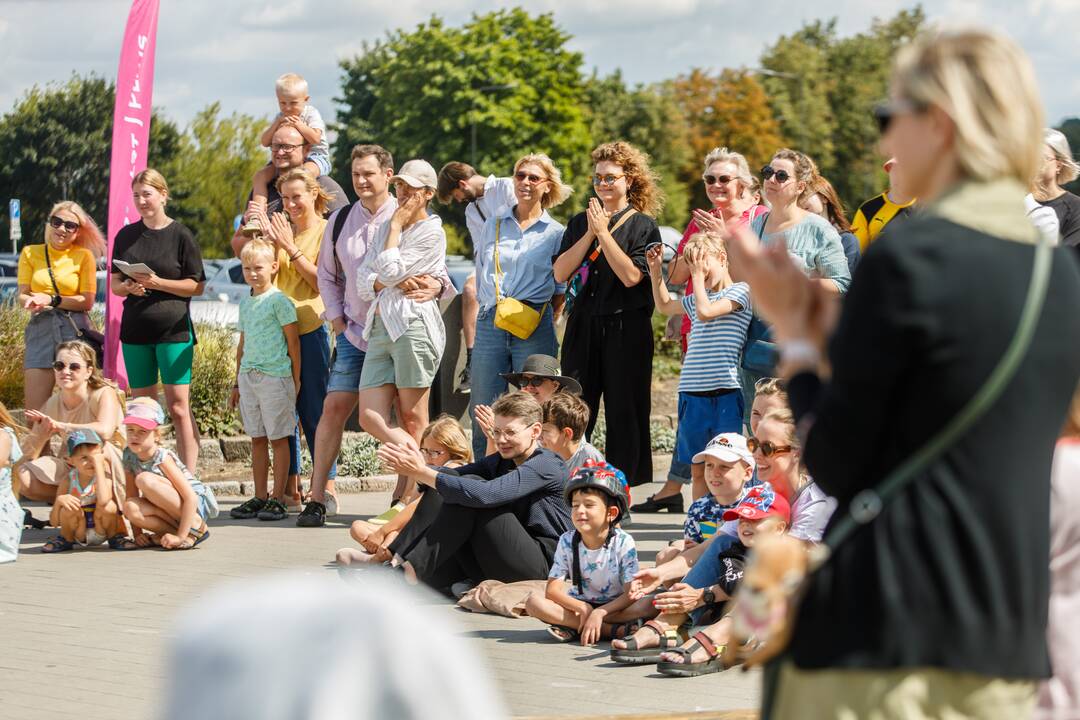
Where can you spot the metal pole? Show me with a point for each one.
(472, 155)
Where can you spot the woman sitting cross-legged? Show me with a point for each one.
(499, 518)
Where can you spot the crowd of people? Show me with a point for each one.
(778, 435)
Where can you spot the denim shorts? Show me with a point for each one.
(703, 417)
(346, 364)
(321, 160)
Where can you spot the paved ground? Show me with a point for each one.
(82, 634)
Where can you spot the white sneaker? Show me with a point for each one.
(331, 505)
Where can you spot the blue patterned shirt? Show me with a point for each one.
(705, 517)
(605, 572)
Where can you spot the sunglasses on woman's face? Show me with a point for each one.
(884, 113)
(780, 175)
(68, 225)
(767, 448)
(61, 366)
(531, 382)
(523, 176)
(714, 179)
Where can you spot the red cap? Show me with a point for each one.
(759, 503)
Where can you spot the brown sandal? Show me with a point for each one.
(633, 655)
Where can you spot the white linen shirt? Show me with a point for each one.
(498, 196)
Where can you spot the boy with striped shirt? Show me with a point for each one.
(710, 397)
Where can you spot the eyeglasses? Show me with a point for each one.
(68, 225)
(282, 147)
(780, 175)
(606, 179)
(767, 448)
(532, 382)
(61, 366)
(497, 435)
(714, 180)
(534, 179)
(429, 453)
(885, 112)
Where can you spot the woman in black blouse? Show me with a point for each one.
(939, 602)
(1059, 167)
(158, 339)
(608, 346)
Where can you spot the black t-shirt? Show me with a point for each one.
(732, 565)
(338, 200)
(604, 293)
(1067, 208)
(172, 254)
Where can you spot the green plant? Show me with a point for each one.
(212, 374)
(13, 321)
(357, 457)
(662, 437)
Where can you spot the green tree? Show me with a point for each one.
(210, 177)
(649, 118)
(55, 143)
(505, 75)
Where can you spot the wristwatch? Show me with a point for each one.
(708, 597)
(56, 300)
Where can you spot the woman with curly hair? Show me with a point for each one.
(57, 283)
(608, 346)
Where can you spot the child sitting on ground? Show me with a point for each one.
(729, 465)
(761, 512)
(164, 498)
(267, 378)
(12, 517)
(292, 97)
(710, 396)
(443, 444)
(597, 557)
(565, 418)
(87, 507)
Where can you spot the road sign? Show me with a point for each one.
(15, 227)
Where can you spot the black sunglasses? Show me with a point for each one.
(531, 382)
(713, 179)
(60, 366)
(781, 175)
(886, 111)
(767, 448)
(534, 179)
(66, 224)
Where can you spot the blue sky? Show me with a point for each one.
(231, 50)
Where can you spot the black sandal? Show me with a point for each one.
(700, 641)
(563, 634)
(632, 655)
(56, 545)
(122, 542)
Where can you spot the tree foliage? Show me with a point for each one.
(56, 145)
(210, 177)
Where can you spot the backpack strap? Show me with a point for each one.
(339, 223)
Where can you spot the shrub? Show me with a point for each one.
(357, 457)
(662, 437)
(212, 375)
(13, 321)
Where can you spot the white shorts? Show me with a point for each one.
(93, 537)
(267, 405)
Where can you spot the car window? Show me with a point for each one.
(236, 274)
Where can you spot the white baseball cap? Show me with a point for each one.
(418, 174)
(728, 447)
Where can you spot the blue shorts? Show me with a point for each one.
(345, 367)
(321, 161)
(701, 418)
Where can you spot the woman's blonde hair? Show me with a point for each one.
(985, 83)
(447, 431)
(742, 168)
(557, 191)
(6, 420)
(1072, 419)
(1059, 145)
(642, 184)
(770, 386)
(87, 236)
(784, 417)
(322, 198)
(96, 380)
(153, 178)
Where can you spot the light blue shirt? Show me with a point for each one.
(525, 258)
(815, 245)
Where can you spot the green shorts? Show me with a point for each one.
(171, 360)
(411, 361)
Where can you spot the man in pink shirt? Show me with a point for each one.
(339, 261)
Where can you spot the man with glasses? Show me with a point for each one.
(483, 198)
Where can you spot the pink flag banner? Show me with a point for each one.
(130, 143)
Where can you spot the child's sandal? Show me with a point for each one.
(196, 537)
(700, 641)
(633, 655)
(621, 631)
(563, 634)
(122, 542)
(56, 545)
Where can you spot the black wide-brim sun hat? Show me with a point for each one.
(543, 366)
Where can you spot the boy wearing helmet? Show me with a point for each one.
(597, 558)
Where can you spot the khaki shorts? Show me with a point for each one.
(267, 405)
(908, 694)
(411, 361)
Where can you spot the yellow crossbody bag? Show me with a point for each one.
(513, 316)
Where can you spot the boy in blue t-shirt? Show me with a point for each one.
(710, 396)
(267, 377)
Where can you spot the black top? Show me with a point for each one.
(954, 573)
(732, 564)
(604, 293)
(338, 200)
(171, 252)
(534, 488)
(1067, 208)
